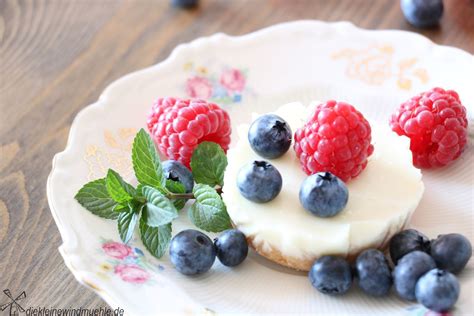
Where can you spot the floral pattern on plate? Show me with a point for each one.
(225, 86)
(115, 154)
(127, 262)
(375, 64)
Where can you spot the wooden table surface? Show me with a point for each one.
(56, 57)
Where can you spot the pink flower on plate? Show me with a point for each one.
(132, 273)
(233, 80)
(116, 249)
(198, 87)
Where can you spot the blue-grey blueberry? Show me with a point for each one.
(270, 136)
(407, 241)
(422, 13)
(451, 252)
(259, 181)
(192, 252)
(408, 270)
(231, 247)
(373, 272)
(331, 275)
(323, 194)
(437, 290)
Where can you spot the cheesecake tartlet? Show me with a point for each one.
(381, 201)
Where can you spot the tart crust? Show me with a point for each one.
(304, 264)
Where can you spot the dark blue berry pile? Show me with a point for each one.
(423, 270)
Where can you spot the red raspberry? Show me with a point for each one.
(336, 139)
(179, 125)
(436, 123)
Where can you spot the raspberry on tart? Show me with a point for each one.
(337, 138)
(436, 123)
(179, 125)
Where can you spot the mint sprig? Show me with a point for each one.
(119, 190)
(155, 239)
(94, 197)
(127, 221)
(146, 162)
(208, 164)
(154, 203)
(159, 208)
(209, 212)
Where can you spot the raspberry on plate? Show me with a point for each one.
(336, 139)
(179, 125)
(436, 123)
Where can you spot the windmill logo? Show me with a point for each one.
(15, 308)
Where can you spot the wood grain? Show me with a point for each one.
(57, 56)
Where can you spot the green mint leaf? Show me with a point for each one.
(146, 161)
(119, 208)
(160, 210)
(94, 197)
(176, 187)
(140, 187)
(208, 164)
(140, 190)
(155, 239)
(209, 211)
(118, 189)
(127, 221)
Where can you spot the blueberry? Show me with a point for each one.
(259, 181)
(232, 247)
(408, 270)
(422, 13)
(270, 136)
(192, 252)
(407, 241)
(451, 252)
(437, 290)
(184, 3)
(331, 275)
(176, 171)
(323, 194)
(374, 275)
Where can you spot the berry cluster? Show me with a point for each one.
(179, 125)
(322, 194)
(436, 123)
(334, 144)
(423, 270)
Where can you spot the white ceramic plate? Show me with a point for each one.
(299, 61)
